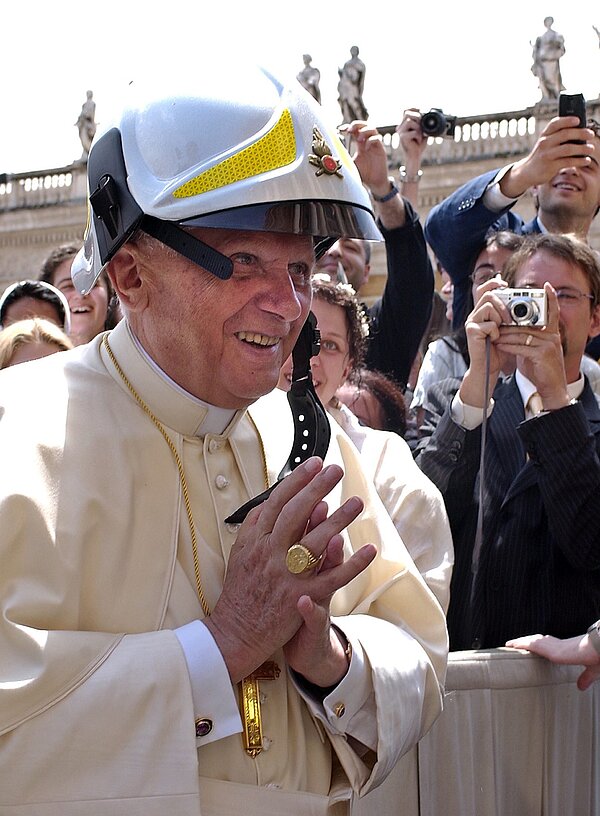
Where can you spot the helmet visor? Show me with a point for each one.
(321, 219)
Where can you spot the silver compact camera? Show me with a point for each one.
(526, 307)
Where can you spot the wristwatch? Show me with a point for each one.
(388, 196)
(594, 633)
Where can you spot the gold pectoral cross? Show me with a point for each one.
(253, 736)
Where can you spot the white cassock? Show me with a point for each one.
(413, 502)
(97, 696)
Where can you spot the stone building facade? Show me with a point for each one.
(40, 210)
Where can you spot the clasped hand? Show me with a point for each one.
(263, 606)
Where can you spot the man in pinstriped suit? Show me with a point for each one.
(536, 566)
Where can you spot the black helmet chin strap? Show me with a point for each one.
(311, 425)
(189, 246)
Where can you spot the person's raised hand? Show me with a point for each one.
(539, 354)
(369, 155)
(553, 151)
(412, 140)
(483, 323)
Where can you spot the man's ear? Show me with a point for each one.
(594, 329)
(127, 280)
(366, 274)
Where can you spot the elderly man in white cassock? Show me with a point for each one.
(190, 624)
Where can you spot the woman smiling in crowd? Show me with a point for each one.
(91, 313)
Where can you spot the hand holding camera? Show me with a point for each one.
(437, 123)
(526, 307)
(483, 325)
(558, 146)
(523, 327)
(573, 105)
(412, 139)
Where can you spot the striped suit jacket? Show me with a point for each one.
(539, 564)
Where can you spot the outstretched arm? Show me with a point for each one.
(414, 143)
(400, 318)
(370, 159)
(575, 651)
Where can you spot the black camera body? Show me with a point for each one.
(572, 105)
(437, 123)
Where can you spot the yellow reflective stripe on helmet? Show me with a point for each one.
(277, 148)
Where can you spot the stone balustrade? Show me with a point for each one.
(486, 136)
(42, 209)
(45, 188)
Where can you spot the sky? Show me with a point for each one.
(463, 56)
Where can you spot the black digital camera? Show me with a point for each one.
(437, 123)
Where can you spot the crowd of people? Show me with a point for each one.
(186, 616)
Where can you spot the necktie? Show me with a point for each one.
(534, 404)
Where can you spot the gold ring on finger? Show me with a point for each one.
(300, 559)
(529, 339)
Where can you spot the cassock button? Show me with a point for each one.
(203, 726)
(221, 482)
(339, 710)
(214, 445)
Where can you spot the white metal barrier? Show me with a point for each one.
(516, 738)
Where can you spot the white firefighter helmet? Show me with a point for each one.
(237, 151)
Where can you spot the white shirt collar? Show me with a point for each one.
(527, 388)
(215, 421)
(171, 404)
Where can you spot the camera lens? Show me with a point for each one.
(523, 311)
(433, 123)
(520, 310)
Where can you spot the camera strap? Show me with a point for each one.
(312, 431)
(479, 528)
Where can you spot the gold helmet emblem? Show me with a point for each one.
(322, 158)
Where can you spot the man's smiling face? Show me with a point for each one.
(575, 190)
(225, 341)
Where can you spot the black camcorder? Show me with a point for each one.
(437, 123)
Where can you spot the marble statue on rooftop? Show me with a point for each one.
(309, 78)
(350, 88)
(86, 123)
(547, 51)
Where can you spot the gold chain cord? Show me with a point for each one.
(182, 479)
(262, 451)
(249, 686)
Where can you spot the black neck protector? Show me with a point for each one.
(311, 425)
